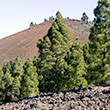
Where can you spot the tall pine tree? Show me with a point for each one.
(17, 68)
(8, 79)
(76, 71)
(52, 49)
(99, 46)
(29, 85)
(84, 18)
(14, 70)
(2, 87)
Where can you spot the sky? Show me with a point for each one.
(16, 15)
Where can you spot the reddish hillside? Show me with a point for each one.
(24, 43)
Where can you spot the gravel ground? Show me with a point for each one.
(85, 98)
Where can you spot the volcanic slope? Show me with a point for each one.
(24, 43)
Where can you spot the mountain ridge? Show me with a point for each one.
(24, 43)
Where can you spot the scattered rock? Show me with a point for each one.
(83, 98)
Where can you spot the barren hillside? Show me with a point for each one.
(24, 43)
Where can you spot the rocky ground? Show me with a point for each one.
(86, 98)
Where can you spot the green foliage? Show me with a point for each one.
(101, 21)
(29, 84)
(12, 74)
(17, 69)
(67, 18)
(98, 50)
(8, 79)
(32, 24)
(76, 72)
(18, 81)
(2, 86)
(16, 86)
(52, 48)
(51, 18)
(45, 20)
(60, 65)
(84, 18)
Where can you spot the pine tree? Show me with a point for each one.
(32, 24)
(99, 46)
(29, 85)
(17, 68)
(2, 87)
(61, 82)
(7, 67)
(45, 20)
(14, 67)
(76, 72)
(51, 18)
(8, 79)
(15, 71)
(16, 86)
(84, 18)
(35, 64)
(53, 47)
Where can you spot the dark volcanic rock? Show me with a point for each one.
(86, 98)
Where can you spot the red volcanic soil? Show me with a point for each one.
(24, 43)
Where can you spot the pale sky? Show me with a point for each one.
(16, 15)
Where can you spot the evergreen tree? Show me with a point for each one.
(84, 18)
(29, 86)
(87, 51)
(76, 72)
(17, 68)
(7, 67)
(52, 48)
(8, 79)
(61, 82)
(45, 20)
(14, 67)
(35, 63)
(32, 24)
(51, 18)
(2, 87)
(99, 46)
(16, 86)
(15, 71)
